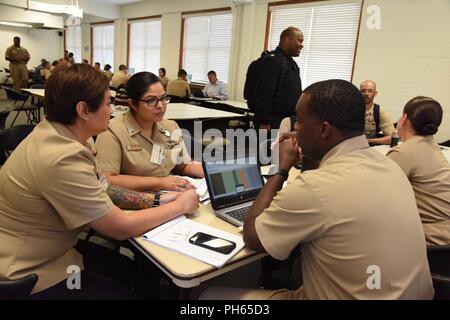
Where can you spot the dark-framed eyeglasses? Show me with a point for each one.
(153, 101)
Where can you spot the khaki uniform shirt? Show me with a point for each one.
(16, 55)
(123, 149)
(344, 230)
(386, 125)
(49, 193)
(165, 82)
(108, 74)
(119, 78)
(179, 88)
(429, 173)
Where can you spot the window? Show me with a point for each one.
(145, 45)
(73, 42)
(207, 45)
(103, 45)
(330, 33)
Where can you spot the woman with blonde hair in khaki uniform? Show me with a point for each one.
(426, 167)
(51, 191)
(140, 149)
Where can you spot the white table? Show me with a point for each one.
(383, 149)
(40, 93)
(184, 111)
(187, 272)
(235, 104)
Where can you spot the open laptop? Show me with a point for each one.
(232, 187)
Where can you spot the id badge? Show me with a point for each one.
(157, 155)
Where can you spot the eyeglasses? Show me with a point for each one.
(153, 101)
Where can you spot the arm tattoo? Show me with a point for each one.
(129, 199)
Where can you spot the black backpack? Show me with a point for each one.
(253, 75)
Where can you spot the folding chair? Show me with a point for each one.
(18, 289)
(7, 76)
(33, 112)
(3, 116)
(10, 138)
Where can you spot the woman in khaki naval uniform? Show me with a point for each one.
(51, 191)
(426, 167)
(140, 149)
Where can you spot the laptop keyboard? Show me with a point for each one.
(239, 214)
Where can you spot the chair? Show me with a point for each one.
(33, 112)
(445, 143)
(19, 289)
(177, 99)
(3, 116)
(441, 287)
(439, 260)
(10, 138)
(7, 76)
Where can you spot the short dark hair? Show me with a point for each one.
(71, 54)
(85, 61)
(425, 115)
(107, 67)
(97, 64)
(122, 67)
(16, 38)
(55, 63)
(182, 73)
(212, 72)
(69, 85)
(139, 83)
(163, 70)
(340, 103)
(288, 32)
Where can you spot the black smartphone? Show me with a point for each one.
(212, 242)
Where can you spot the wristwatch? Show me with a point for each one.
(156, 199)
(283, 173)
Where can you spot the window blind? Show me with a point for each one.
(207, 46)
(330, 33)
(145, 46)
(103, 45)
(73, 42)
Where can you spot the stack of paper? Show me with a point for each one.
(202, 189)
(176, 233)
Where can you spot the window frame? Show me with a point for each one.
(207, 12)
(293, 3)
(92, 26)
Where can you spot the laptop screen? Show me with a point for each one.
(233, 179)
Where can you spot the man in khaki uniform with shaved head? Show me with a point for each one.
(378, 119)
(354, 245)
(18, 58)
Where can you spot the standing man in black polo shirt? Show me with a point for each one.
(279, 86)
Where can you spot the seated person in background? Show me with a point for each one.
(377, 119)
(71, 59)
(179, 87)
(107, 72)
(120, 78)
(140, 149)
(214, 88)
(46, 71)
(54, 65)
(162, 77)
(427, 169)
(97, 66)
(85, 61)
(64, 62)
(37, 72)
(345, 233)
(50, 197)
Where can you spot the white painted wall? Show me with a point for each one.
(39, 43)
(409, 55)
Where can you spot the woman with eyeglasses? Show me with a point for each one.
(423, 162)
(140, 149)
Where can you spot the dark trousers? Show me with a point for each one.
(93, 287)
